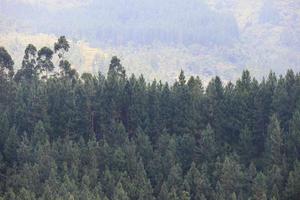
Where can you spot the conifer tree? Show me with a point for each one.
(164, 193)
(11, 145)
(231, 173)
(274, 143)
(119, 193)
(293, 140)
(4, 129)
(293, 184)
(259, 187)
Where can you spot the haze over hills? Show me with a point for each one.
(205, 38)
(226, 135)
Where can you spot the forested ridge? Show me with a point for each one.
(118, 137)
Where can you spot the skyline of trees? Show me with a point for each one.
(114, 137)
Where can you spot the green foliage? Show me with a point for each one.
(274, 142)
(259, 187)
(114, 137)
(293, 184)
(6, 63)
(119, 193)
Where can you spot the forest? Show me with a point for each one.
(66, 136)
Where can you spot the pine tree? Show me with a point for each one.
(275, 180)
(259, 187)
(233, 196)
(39, 134)
(108, 183)
(215, 106)
(144, 147)
(164, 193)
(185, 151)
(274, 143)
(4, 129)
(246, 145)
(293, 184)
(293, 140)
(10, 147)
(24, 152)
(196, 183)
(172, 194)
(10, 195)
(142, 182)
(231, 173)
(185, 195)
(206, 148)
(119, 193)
(25, 195)
(219, 192)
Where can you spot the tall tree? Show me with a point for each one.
(116, 68)
(28, 69)
(259, 187)
(274, 143)
(293, 185)
(119, 193)
(10, 147)
(6, 64)
(44, 62)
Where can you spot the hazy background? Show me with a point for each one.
(158, 38)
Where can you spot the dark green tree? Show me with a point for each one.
(11, 145)
(6, 64)
(119, 193)
(259, 187)
(274, 143)
(293, 185)
(44, 62)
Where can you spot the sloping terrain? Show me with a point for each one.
(260, 35)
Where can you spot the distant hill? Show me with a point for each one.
(206, 38)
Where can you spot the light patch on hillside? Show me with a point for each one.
(154, 61)
(245, 12)
(81, 55)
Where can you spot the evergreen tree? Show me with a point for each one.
(119, 193)
(246, 145)
(206, 149)
(293, 140)
(185, 195)
(215, 106)
(293, 184)
(164, 193)
(197, 184)
(231, 174)
(274, 143)
(11, 145)
(259, 187)
(4, 129)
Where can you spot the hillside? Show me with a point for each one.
(261, 36)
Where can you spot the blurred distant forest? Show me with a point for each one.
(203, 37)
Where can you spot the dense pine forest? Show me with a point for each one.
(65, 136)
